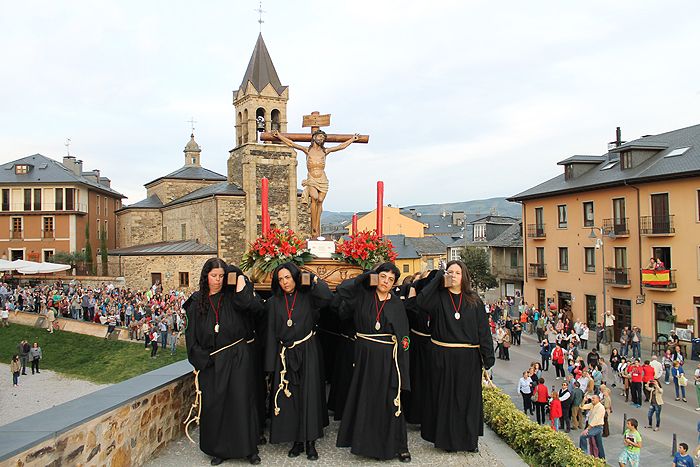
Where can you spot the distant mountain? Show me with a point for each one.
(473, 210)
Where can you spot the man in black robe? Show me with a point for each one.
(462, 347)
(293, 352)
(373, 423)
(217, 334)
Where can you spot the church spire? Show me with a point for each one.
(261, 71)
(192, 152)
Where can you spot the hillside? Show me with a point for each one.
(473, 209)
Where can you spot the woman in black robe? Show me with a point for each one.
(293, 352)
(343, 360)
(462, 346)
(373, 423)
(217, 335)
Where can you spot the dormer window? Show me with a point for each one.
(626, 160)
(568, 171)
(21, 169)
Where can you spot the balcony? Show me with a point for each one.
(657, 225)
(661, 280)
(49, 234)
(620, 227)
(536, 231)
(15, 233)
(537, 271)
(618, 277)
(508, 272)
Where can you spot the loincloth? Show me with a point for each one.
(319, 183)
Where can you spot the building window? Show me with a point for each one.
(37, 199)
(59, 199)
(563, 259)
(588, 220)
(568, 171)
(106, 231)
(698, 209)
(183, 231)
(98, 204)
(70, 199)
(48, 227)
(591, 310)
(21, 169)
(665, 321)
(47, 255)
(454, 253)
(106, 204)
(16, 227)
(406, 268)
(514, 259)
(184, 279)
(626, 160)
(98, 227)
(563, 217)
(590, 259)
(5, 199)
(479, 232)
(27, 199)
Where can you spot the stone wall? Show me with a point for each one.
(198, 218)
(133, 430)
(232, 233)
(170, 190)
(138, 227)
(137, 270)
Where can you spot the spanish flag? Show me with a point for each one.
(656, 278)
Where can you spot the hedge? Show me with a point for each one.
(537, 443)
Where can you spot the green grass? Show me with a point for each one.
(86, 357)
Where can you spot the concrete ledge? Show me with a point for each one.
(127, 421)
(71, 325)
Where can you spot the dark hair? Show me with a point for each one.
(633, 422)
(318, 132)
(293, 270)
(389, 267)
(469, 295)
(211, 263)
(541, 381)
(683, 445)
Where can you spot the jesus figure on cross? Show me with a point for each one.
(316, 184)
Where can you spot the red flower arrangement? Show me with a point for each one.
(365, 249)
(277, 247)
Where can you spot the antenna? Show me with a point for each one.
(67, 145)
(191, 121)
(260, 13)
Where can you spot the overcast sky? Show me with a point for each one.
(462, 99)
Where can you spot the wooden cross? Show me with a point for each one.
(315, 121)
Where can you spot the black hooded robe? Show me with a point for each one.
(303, 415)
(455, 416)
(229, 419)
(369, 425)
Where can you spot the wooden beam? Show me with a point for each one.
(306, 137)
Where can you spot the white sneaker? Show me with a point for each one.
(698, 409)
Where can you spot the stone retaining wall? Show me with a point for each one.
(116, 426)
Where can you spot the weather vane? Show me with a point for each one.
(67, 145)
(260, 13)
(192, 121)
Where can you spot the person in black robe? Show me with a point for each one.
(293, 352)
(217, 335)
(373, 424)
(343, 360)
(462, 346)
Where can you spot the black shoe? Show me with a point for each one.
(253, 459)
(311, 452)
(297, 448)
(262, 440)
(405, 457)
(216, 460)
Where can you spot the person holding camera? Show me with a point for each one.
(596, 420)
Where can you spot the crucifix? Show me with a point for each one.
(192, 121)
(316, 185)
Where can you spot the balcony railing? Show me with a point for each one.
(45, 207)
(536, 231)
(537, 271)
(15, 234)
(48, 233)
(618, 276)
(617, 226)
(656, 225)
(659, 279)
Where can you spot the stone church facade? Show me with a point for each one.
(193, 213)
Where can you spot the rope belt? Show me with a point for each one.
(418, 333)
(284, 384)
(395, 355)
(197, 404)
(455, 345)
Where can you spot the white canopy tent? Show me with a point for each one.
(6, 265)
(42, 268)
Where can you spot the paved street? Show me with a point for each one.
(676, 417)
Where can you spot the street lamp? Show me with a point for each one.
(600, 243)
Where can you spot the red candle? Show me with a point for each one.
(354, 224)
(264, 190)
(380, 208)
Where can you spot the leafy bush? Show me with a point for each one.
(537, 443)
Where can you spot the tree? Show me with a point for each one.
(88, 250)
(103, 251)
(479, 268)
(74, 258)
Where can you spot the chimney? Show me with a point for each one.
(443, 213)
(458, 217)
(412, 211)
(104, 181)
(618, 140)
(78, 167)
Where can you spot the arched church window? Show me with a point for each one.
(275, 119)
(244, 126)
(260, 119)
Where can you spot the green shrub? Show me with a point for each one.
(536, 443)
